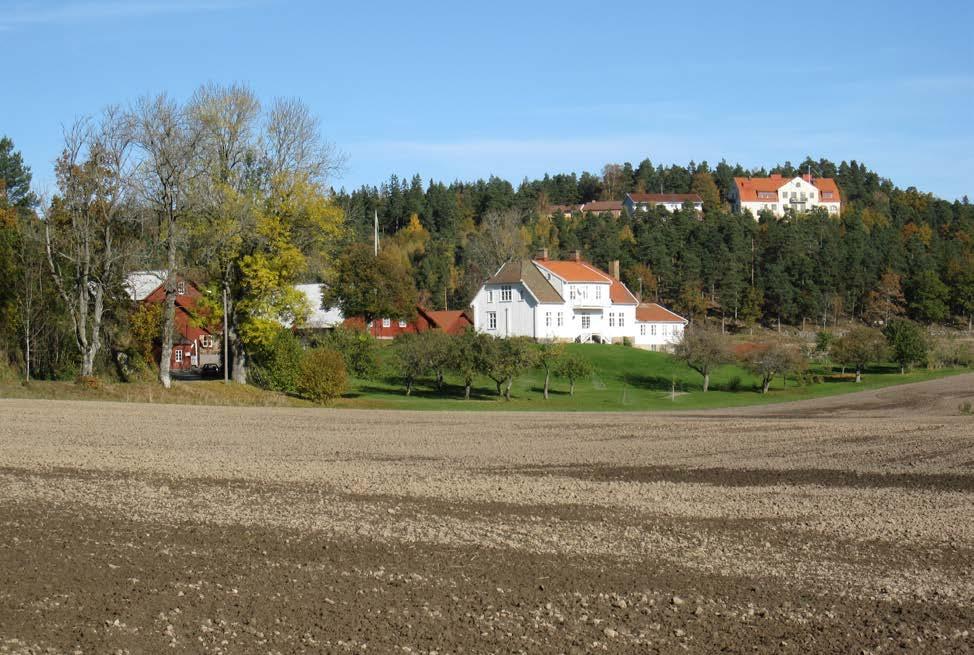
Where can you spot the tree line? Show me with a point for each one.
(219, 189)
(236, 195)
(892, 252)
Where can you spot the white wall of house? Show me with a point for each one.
(658, 335)
(555, 322)
(504, 310)
(668, 206)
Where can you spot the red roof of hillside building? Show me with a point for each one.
(597, 206)
(620, 295)
(572, 271)
(749, 188)
(665, 197)
(450, 321)
(654, 313)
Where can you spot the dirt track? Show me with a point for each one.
(847, 529)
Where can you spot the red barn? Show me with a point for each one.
(196, 344)
(450, 321)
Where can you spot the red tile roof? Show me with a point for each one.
(620, 295)
(571, 271)
(654, 313)
(450, 321)
(665, 197)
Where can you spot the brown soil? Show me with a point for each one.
(840, 525)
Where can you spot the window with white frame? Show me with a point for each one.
(561, 319)
(586, 321)
(547, 319)
(652, 330)
(386, 322)
(506, 293)
(598, 291)
(571, 292)
(178, 354)
(491, 320)
(402, 324)
(206, 341)
(642, 330)
(622, 320)
(490, 295)
(181, 288)
(612, 319)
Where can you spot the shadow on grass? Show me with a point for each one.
(448, 392)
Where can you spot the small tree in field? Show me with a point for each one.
(574, 368)
(411, 358)
(469, 354)
(516, 355)
(703, 350)
(437, 345)
(906, 342)
(322, 376)
(858, 347)
(549, 356)
(773, 358)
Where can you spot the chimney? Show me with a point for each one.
(542, 254)
(614, 268)
(576, 255)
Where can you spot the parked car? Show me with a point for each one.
(211, 371)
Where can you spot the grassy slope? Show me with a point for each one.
(624, 379)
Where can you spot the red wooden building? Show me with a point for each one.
(196, 343)
(450, 321)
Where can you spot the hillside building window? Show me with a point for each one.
(612, 319)
(490, 295)
(178, 353)
(652, 330)
(547, 319)
(491, 320)
(506, 293)
(598, 292)
(561, 319)
(586, 321)
(386, 322)
(622, 320)
(181, 288)
(402, 324)
(206, 341)
(642, 330)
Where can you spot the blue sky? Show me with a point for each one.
(518, 89)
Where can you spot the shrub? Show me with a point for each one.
(276, 366)
(322, 375)
(735, 383)
(357, 348)
(88, 382)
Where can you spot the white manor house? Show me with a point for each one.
(570, 300)
(777, 194)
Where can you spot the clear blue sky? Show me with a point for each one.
(520, 89)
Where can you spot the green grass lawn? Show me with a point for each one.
(625, 379)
